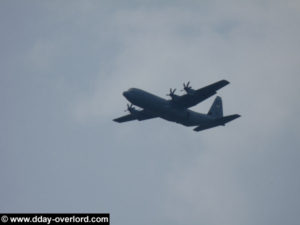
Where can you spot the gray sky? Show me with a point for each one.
(64, 65)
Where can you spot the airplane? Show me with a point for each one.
(177, 108)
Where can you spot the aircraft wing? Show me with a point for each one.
(189, 100)
(137, 115)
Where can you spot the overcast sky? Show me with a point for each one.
(63, 67)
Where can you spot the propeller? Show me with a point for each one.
(172, 92)
(186, 87)
(130, 108)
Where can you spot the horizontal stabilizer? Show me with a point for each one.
(204, 127)
(217, 122)
(227, 119)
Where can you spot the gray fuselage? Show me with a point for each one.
(165, 108)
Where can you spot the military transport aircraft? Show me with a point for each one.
(176, 109)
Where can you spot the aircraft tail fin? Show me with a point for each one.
(216, 109)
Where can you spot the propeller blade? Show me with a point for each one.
(172, 91)
(186, 86)
(129, 108)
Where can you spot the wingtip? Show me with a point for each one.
(226, 82)
(223, 82)
(237, 116)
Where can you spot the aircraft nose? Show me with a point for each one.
(125, 93)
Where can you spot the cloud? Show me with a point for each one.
(252, 45)
(244, 173)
